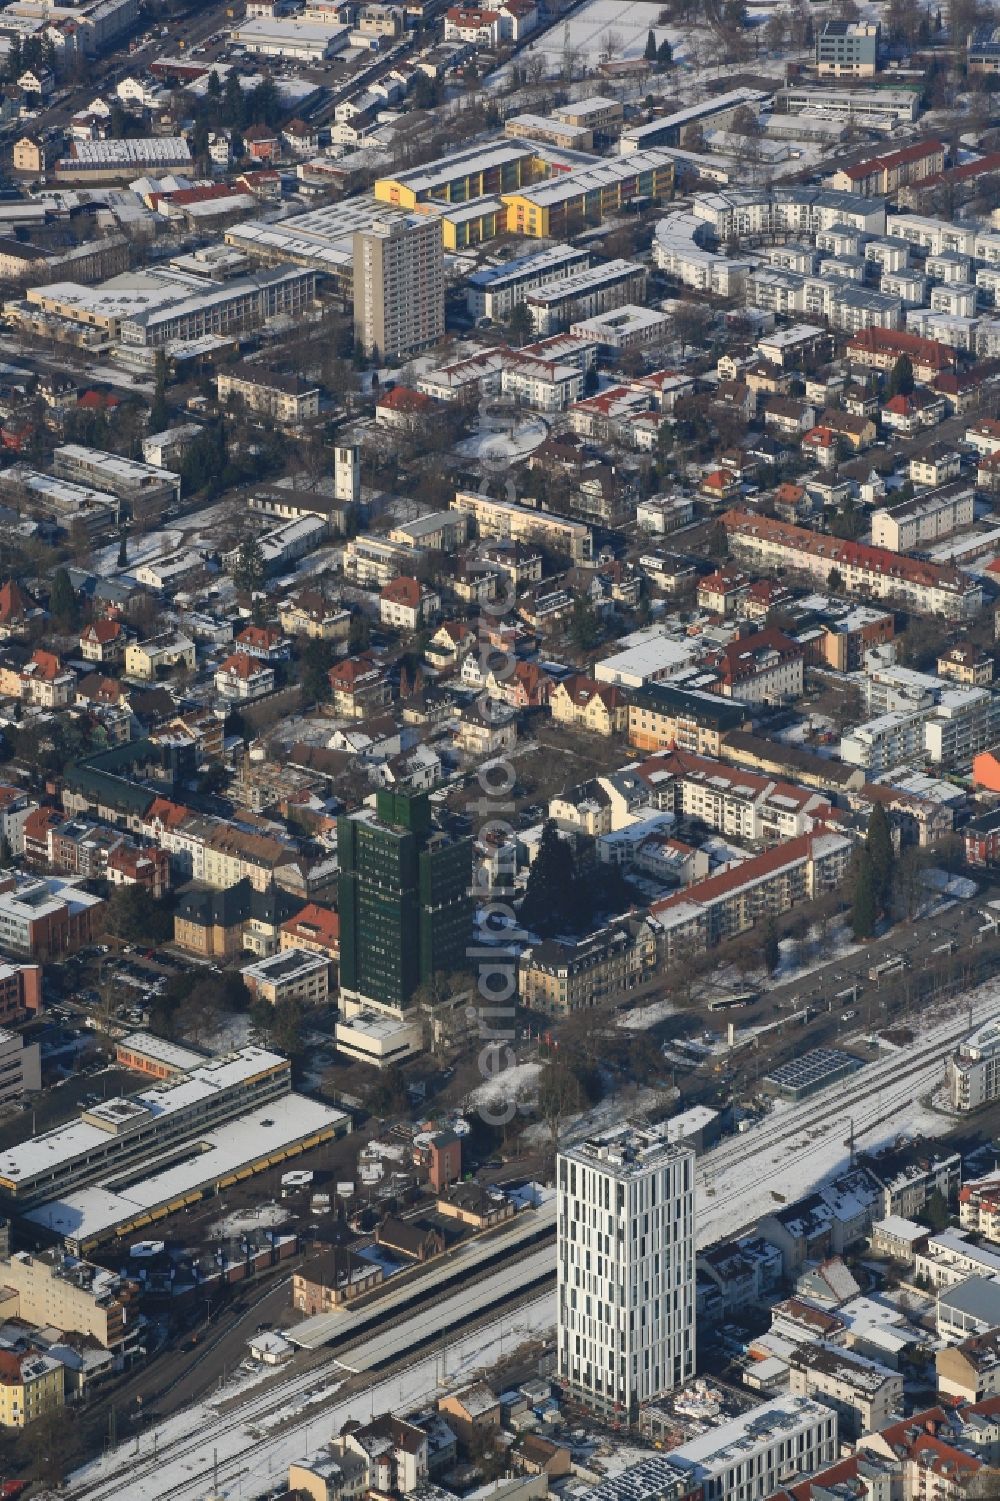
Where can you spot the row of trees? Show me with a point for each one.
(662, 55)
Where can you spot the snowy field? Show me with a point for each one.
(505, 447)
(591, 26)
(514, 1083)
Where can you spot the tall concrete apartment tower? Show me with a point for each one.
(403, 898)
(626, 1253)
(399, 286)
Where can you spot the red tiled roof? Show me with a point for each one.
(893, 159)
(239, 665)
(405, 399)
(259, 635)
(403, 591)
(171, 815)
(740, 659)
(853, 554)
(44, 664)
(101, 631)
(471, 16)
(897, 341)
(582, 689)
(754, 869)
(316, 923)
(15, 602)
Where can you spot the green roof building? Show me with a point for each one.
(404, 900)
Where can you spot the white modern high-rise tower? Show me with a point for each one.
(626, 1252)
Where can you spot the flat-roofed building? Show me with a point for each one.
(599, 114)
(848, 49)
(399, 286)
(61, 1292)
(550, 131)
(289, 975)
(305, 38)
(632, 1179)
(476, 172)
(143, 485)
(751, 1455)
(973, 1070)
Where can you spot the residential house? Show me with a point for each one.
(580, 700)
(241, 677)
(103, 641)
(407, 604)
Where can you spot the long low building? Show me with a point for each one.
(496, 167)
(855, 567)
(667, 130)
(125, 1203)
(564, 203)
(501, 518)
(110, 161)
(118, 1135)
(148, 309)
(495, 291)
(734, 901)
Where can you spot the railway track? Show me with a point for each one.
(867, 1099)
(314, 1389)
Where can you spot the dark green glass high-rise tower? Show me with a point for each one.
(405, 907)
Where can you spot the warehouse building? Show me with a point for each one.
(292, 38)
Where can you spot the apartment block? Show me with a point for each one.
(742, 805)
(970, 1370)
(874, 572)
(286, 398)
(504, 519)
(865, 1396)
(625, 1264)
(30, 1386)
(20, 992)
(661, 716)
(584, 293)
(973, 1070)
(559, 978)
(924, 519)
(399, 286)
(63, 1292)
(768, 884)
